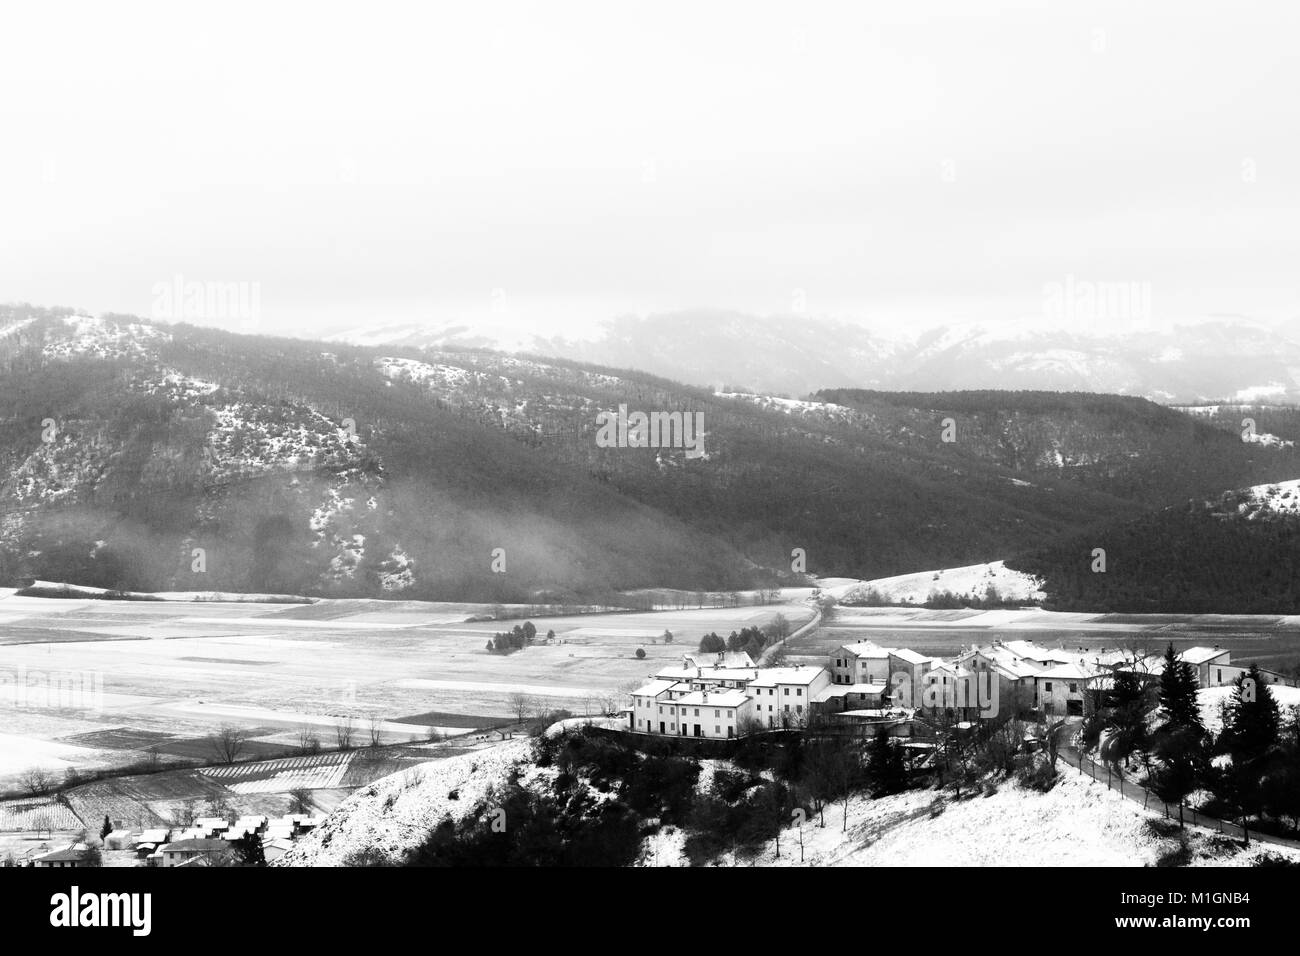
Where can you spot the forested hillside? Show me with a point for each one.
(128, 448)
(1127, 447)
(1237, 554)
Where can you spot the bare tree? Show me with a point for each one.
(343, 732)
(36, 781)
(1004, 744)
(375, 727)
(43, 822)
(308, 740)
(229, 743)
(1052, 740)
(184, 815)
(522, 705)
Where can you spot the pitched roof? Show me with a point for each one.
(1067, 672)
(71, 853)
(1035, 652)
(771, 676)
(706, 673)
(722, 659)
(909, 655)
(195, 846)
(1009, 663)
(866, 649)
(654, 688)
(872, 689)
(1199, 655)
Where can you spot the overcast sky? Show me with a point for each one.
(558, 163)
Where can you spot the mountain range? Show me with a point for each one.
(1221, 359)
(139, 455)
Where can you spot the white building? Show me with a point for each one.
(647, 705)
(860, 663)
(783, 696)
(1062, 690)
(716, 714)
(694, 700)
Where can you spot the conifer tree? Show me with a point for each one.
(1253, 718)
(885, 767)
(1178, 687)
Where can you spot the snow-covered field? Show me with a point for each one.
(104, 683)
(970, 581)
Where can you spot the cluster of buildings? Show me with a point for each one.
(209, 838)
(727, 695)
(207, 841)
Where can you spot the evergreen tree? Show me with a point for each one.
(249, 848)
(106, 829)
(1178, 687)
(1128, 693)
(1253, 718)
(712, 644)
(1128, 716)
(1182, 764)
(885, 767)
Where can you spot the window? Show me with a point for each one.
(787, 691)
(799, 709)
(1074, 688)
(717, 713)
(717, 729)
(730, 714)
(798, 691)
(697, 711)
(1048, 687)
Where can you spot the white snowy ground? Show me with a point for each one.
(1213, 699)
(973, 580)
(395, 814)
(1077, 823)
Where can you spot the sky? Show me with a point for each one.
(550, 165)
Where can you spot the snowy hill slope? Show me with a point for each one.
(1078, 823)
(393, 815)
(972, 581)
